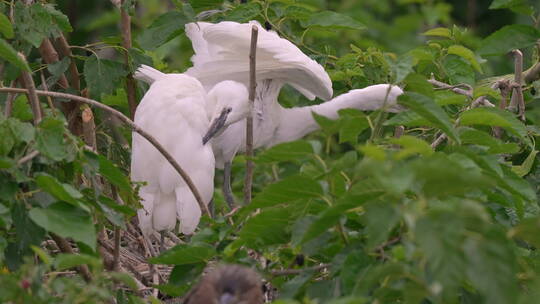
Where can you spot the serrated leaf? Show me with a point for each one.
(509, 37)
(518, 6)
(23, 131)
(60, 67)
(67, 221)
(286, 152)
(8, 53)
(492, 116)
(59, 18)
(481, 138)
(5, 26)
(113, 174)
(185, 254)
(163, 29)
(332, 19)
(428, 109)
(351, 125)
(466, 54)
(458, 70)
(439, 32)
(103, 76)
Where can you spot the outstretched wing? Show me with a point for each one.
(222, 53)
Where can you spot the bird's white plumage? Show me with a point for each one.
(176, 110)
(222, 52)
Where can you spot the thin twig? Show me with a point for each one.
(65, 247)
(9, 101)
(131, 85)
(453, 88)
(249, 120)
(517, 100)
(27, 157)
(135, 128)
(28, 82)
(49, 55)
(284, 272)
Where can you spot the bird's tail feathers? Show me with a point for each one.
(148, 74)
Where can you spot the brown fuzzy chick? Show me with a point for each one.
(231, 284)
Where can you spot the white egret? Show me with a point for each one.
(178, 112)
(221, 52)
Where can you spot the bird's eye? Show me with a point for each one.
(229, 110)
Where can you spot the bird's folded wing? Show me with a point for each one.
(222, 52)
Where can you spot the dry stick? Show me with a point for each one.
(28, 82)
(117, 232)
(452, 88)
(131, 85)
(135, 128)
(27, 157)
(248, 182)
(9, 101)
(65, 51)
(89, 128)
(517, 94)
(65, 247)
(49, 54)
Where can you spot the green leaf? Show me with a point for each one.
(526, 166)
(5, 27)
(65, 261)
(411, 145)
(286, 190)
(528, 231)
(466, 54)
(113, 174)
(63, 192)
(60, 67)
(185, 254)
(103, 76)
(376, 228)
(492, 116)
(8, 140)
(332, 19)
(59, 18)
(481, 138)
(50, 138)
(286, 152)
(205, 4)
(8, 53)
(331, 216)
(428, 109)
(67, 221)
(266, 228)
(458, 70)
(23, 131)
(439, 32)
(244, 12)
(162, 30)
(509, 37)
(518, 6)
(351, 123)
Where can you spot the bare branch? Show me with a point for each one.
(65, 247)
(131, 85)
(65, 51)
(89, 128)
(135, 128)
(249, 120)
(9, 101)
(453, 88)
(27, 157)
(28, 82)
(517, 100)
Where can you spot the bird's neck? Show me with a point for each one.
(295, 123)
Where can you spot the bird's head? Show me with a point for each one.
(228, 103)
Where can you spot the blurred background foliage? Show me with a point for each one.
(359, 215)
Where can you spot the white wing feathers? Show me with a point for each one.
(148, 74)
(222, 52)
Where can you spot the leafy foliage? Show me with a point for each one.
(356, 214)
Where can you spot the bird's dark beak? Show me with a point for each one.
(216, 125)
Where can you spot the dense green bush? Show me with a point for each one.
(446, 213)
